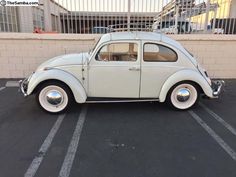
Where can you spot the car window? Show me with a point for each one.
(118, 52)
(158, 53)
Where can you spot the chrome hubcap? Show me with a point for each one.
(183, 95)
(54, 98)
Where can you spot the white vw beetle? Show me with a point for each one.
(122, 67)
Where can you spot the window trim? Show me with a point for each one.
(116, 42)
(177, 57)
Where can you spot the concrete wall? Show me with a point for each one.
(21, 53)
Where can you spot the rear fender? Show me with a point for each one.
(185, 75)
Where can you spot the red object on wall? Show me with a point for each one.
(39, 31)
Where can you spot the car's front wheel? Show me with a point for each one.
(183, 95)
(54, 97)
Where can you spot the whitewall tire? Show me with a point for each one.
(183, 96)
(54, 97)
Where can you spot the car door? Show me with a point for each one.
(159, 62)
(114, 71)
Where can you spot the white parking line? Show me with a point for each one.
(2, 88)
(70, 155)
(219, 119)
(43, 149)
(216, 137)
(12, 84)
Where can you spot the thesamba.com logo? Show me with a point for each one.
(3, 2)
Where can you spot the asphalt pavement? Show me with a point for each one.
(119, 139)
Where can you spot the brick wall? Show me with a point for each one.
(21, 53)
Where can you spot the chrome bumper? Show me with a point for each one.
(23, 86)
(217, 87)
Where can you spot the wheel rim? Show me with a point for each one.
(184, 96)
(53, 98)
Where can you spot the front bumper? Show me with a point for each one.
(217, 87)
(23, 85)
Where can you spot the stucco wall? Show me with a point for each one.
(21, 53)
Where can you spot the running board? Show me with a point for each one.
(121, 101)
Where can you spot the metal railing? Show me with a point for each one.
(103, 16)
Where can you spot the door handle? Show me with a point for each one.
(134, 69)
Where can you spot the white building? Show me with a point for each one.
(46, 17)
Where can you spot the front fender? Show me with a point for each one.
(63, 76)
(185, 75)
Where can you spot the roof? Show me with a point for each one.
(138, 35)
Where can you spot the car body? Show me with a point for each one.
(218, 31)
(169, 30)
(169, 27)
(100, 30)
(123, 66)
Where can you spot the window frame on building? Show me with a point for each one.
(38, 18)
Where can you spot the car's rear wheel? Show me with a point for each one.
(183, 95)
(54, 97)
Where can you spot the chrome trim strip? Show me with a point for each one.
(122, 101)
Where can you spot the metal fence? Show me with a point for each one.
(103, 16)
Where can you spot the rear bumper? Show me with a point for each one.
(217, 87)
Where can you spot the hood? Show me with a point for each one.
(63, 60)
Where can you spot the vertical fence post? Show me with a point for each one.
(3, 19)
(47, 16)
(214, 21)
(128, 15)
(176, 15)
(17, 23)
(7, 19)
(207, 15)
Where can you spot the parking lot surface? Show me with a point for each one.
(118, 139)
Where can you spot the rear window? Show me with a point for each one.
(158, 53)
